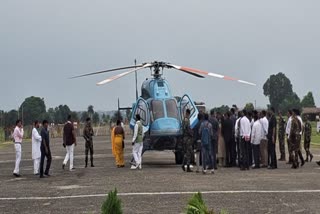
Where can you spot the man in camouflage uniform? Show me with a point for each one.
(307, 138)
(87, 135)
(187, 141)
(295, 139)
(281, 135)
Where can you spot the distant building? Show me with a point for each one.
(313, 113)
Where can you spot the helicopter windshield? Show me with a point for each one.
(172, 110)
(157, 109)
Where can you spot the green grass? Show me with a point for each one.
(315, 137)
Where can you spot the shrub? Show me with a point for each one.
(196, 205)
(112, 204)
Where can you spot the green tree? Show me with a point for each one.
(290, 102)
(90, 111)
(96, 118)
(117, 116)
(222, 109)
(249, 107)
(278, 87)
(308, 100)
(33, 108)
(10, 118)
(84, 116)
(61, 113)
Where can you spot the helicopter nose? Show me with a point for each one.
(168, 126)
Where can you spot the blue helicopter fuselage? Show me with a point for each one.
(160, 113)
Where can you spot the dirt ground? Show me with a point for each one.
(160, 187)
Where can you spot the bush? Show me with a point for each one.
(197, 205)
(112, 205)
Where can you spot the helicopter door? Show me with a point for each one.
(187, 103)
(142, 109)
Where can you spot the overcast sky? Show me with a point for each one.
(42, 43)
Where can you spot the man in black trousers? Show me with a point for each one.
(45, 149)
(227, 132)
(272, 138)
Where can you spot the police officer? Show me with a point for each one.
(87, 134)
(294, 138)
(307, 139)
(281, 136)
(187, 141)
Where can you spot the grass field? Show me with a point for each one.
(315, 137)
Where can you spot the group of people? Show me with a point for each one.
(117, 140)
(41, 146)
(245, 140)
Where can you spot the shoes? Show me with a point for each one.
(140, 166)
(311, 157)
(188, 169)
(41, 176)
(318, 163)
(133, 167)
(17, 175)
(242, 169)
(73, 169)
(63, 165)
(183, 168)
(302, 163)
(271, 167)
(256, 167)
(92, 165)
(212, 171)
(37, 174)
(197, 171)
(204, 172)
(281, 159)
(47, 174)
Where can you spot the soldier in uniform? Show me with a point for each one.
(294, 139)
(87, 134)
(281, 135)
(187, 141)
(307, 138)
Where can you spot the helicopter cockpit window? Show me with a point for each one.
(160, 84)
(157, 109)
(172, 110)
(141, 110)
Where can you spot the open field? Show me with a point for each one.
(160, 187)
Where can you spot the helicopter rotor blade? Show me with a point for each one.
(188, 72)
(115, 69)
(200, 72)
(123, 74)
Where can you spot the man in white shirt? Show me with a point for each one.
(245, 132)
(137, 143)
(256, 136)
(264, 141)
(238, 138)
(17, 136)
(288, 128)
(36, 143)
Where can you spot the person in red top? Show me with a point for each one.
(69, 142)
(17, 136)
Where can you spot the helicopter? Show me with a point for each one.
(161, 113)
